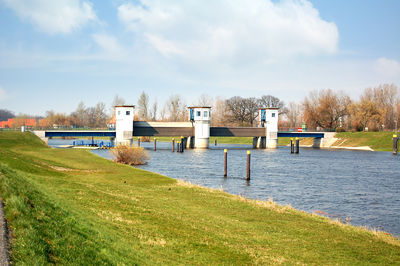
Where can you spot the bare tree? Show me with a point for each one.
(242, 111)
(100, 115)
(385, 97)
(293, 114)
(269, 101)
(143, 106)
(325, 108)
(220, 113)
(116, 101)
(176, 108)
(153, 111)
(363, 113)
(80, 115)
(204, 101)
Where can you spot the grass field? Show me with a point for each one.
(378, 141)
(68, 206)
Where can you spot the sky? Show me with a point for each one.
(54, 54)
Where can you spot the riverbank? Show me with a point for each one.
(70, 206)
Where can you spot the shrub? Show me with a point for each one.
(340, 129)
(144, 139)
(130, 155)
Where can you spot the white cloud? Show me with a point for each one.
(54, 16)
(108, 43)
(3, 94)
(388, 67)
(259, 30)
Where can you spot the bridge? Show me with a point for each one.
(196, 132)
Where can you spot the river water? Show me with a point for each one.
(360, 186)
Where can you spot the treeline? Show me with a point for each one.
(377, 108)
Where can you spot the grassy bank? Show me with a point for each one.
(378, 141)
(70, 206)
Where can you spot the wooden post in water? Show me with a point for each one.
(155, 144)
(291, 145)
(297, 145)
(225, 162)
(395, 141)
(182, 144)
(173, 144)
(215, 142)
(138, 141)
(248, 166)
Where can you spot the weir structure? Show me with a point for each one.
(196, 132)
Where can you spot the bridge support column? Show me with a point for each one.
(259, 143)
(317, 142)
(269, 119)
(201, 118)
(124, 124)
(272, 140)
(189, 142)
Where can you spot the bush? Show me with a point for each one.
(340, 129)
(130, 155)
(144, 139)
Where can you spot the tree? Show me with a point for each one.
(6, 114)
(220, 113)
(385, 97)
(80, 115)
(325, 108)
(363, 113)
(242, 111)
(269, 101)
(176, 108)
(153, 111)
(116, 101)
(143, 106)
(204, 101)
(293, 114)
(100, 115)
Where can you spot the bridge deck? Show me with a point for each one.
(79, 133)
(182, 131)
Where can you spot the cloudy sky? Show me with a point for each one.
(54, 54)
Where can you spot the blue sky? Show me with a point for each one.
(54, 54)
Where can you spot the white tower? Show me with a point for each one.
(269, 120)
(124, 124)
(201, 117)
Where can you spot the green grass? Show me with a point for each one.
(68, 206)
(379, 141)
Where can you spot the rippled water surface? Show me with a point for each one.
(359, 185)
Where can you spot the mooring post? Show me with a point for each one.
(395, 140)
(297, 145)
(248, 166)
(182, 143)
(291, 145)
(225, 162)
(155, 144)
(215, 142)
(173, 144)
(138, 141)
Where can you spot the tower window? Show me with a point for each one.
(128, 112)
(205, 114)
(273, 114)
(198, 113)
